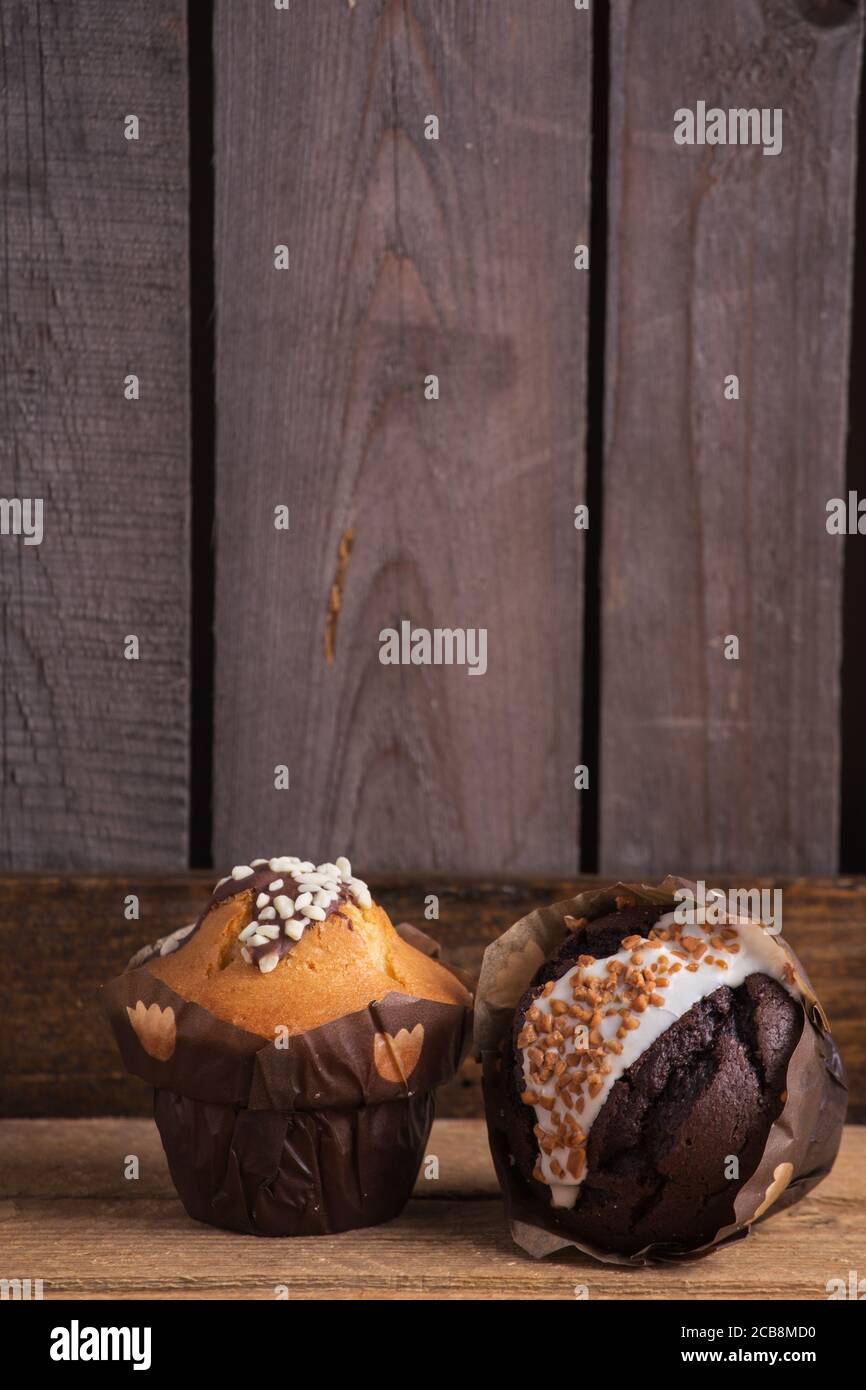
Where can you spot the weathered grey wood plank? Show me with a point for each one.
(93, 265)
(723, 260)
(408, 256)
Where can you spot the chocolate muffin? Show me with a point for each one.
(642, 1074)
(294, 1039)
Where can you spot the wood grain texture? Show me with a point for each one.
(79, 1158)
(93, 265)
(57, 1055)
(408, 256)
(723, 260)
(70, 1218)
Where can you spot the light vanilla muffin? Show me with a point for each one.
(294, 1039)
(306, 970)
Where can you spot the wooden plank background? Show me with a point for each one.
(58, 1057)
(411, 256)
(722, 260)
(93, 245)
(408, 257)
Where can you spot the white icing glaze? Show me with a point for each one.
(759, 952)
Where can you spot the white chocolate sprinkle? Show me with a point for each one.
(165, 946)
(316, 890)
(169, 944)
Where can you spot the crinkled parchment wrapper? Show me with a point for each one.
(325, 1134)
(802, 1143)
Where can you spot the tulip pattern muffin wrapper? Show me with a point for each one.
(802, 1142)
(320, 1131)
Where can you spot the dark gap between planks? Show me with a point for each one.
(591, 712)
(203, 424)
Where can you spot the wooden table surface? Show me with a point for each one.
(70, 1218)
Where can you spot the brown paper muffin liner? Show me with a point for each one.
(802, 1143)
(310, 1134)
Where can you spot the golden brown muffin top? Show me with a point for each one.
(295, 976)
